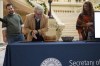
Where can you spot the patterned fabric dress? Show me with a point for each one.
(87, 32)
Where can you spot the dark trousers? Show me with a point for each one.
(15, 38)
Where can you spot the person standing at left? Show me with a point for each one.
(12, 29)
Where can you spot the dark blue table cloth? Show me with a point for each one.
(53, 54)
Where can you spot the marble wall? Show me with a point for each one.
(1, 15)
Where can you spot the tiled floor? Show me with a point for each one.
(2, 54)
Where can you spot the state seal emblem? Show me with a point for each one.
(51, 62)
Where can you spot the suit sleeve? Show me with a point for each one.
(45, 26)
(27, 26)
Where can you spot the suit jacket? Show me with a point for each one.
(29, 25)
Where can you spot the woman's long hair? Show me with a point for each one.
(90, 7)
(90, 12)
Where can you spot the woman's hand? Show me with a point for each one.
(80, 37)
(89, 24)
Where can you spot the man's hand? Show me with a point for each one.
(4, 36)
(34, 32)
(5, 39)
(34, 36)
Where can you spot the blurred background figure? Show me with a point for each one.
(85, 22)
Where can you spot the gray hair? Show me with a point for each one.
(39, 8)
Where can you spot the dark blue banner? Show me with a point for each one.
(53, 54)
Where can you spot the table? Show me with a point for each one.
(53, 54)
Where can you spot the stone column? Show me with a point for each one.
(1, 16)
